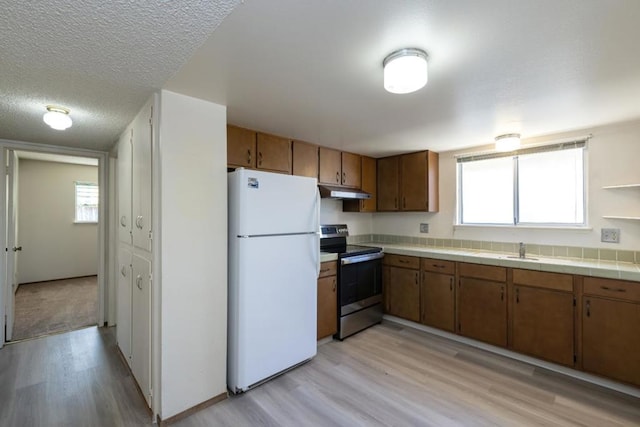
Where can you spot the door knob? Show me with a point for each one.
(16, 248)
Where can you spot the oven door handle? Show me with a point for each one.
(361, 258)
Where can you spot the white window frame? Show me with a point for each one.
(75, 207)
(582, 143)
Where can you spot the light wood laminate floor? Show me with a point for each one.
(386, 375)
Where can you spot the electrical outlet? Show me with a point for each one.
(610, 235)
(424, 227)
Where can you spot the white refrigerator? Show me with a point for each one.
(274, 260)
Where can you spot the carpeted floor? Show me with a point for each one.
(57, 306)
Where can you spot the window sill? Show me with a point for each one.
(85, 222)
(525, 227)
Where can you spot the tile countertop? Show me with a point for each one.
(595, 268)
(326, 256)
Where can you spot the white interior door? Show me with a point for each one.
(13, 247)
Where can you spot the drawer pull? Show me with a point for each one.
(403, 261)
(437, 266)
(324, 270)
(606, 288)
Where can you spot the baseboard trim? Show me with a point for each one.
(593, 379)
(55, 280)
(199, 407)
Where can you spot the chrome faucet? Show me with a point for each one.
(522, 251)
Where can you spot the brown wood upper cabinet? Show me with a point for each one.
(339, 168)
(610, 319)
(542, 317)
(368, 181)
(241, 147)
(409, 182)
(305, 159)
(249, 149)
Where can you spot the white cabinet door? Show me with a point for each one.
(124, 187)
(142, 143)
(141, 321)
(124, 303)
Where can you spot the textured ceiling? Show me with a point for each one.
(313, 69)
(101, 59)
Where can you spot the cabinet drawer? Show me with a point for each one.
(612, 288)
(438, 266)
(540, 279)
(328, 268)
(486, 272)
(402, 261)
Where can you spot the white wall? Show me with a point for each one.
(193, 217)
(53, 247)
(612, 158)
(331, 213)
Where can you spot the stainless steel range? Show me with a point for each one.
(359, 280)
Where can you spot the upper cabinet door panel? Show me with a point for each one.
(273, 153)
(413, 181)
(124, 187)
(142, 182)
(305, 159)
(388, 186)
(241, 147)
(330, 166)
(369, 183)
(351, 170)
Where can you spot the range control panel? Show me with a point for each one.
(334, 230)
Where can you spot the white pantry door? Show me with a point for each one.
(12, 242)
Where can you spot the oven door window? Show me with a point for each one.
(360, 281)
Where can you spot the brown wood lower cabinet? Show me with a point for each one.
(543, 324)
(610, 338)
(402, 287)
(327, 300)
(437, 294)
(482, 310)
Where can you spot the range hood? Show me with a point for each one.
(329, 192)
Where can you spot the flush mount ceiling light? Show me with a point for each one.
(57, 117)
(405, 70)
(508, 142)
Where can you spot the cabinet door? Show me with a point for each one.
(241, 147)
(305, 159)
(351, 170)
(369, 183)
(482, 310)
(141, 325)
(123, 315)
(330, 166)
(141, 193)
(610, 344)
(388, 186)
(124, 187)
(543, 324)
(274, 153)
(404, 293)
(413, 181)
(327, 307)
(437, 300)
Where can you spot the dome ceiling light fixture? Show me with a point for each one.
(508, 142)
(57, 117)
(405, 70)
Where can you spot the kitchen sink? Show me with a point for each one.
(524, 259)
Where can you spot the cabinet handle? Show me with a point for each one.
(437, 266)
(338, 177)
(124, 271)
(259, 158)
(404, 202)
(139, 222)
(517, 295)
(451, 284)
(248, 157)
(334, 285)
(502, 293)
(123, 220)
(416, 278)
(344, 177)
(588, 308)
(606, 288)
(139, 282)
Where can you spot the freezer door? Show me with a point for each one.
(272, 307)
(271, 203)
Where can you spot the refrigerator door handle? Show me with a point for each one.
(317, 251)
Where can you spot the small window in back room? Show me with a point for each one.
(87, 196)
